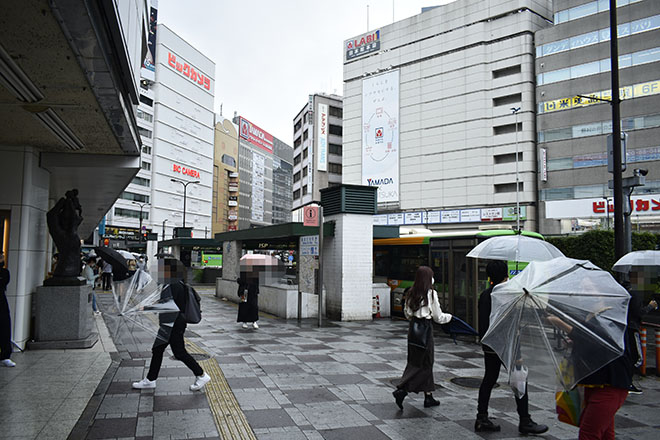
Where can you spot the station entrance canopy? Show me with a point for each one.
(284, 236)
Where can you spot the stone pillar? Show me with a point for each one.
(226, 286)
(348, 267)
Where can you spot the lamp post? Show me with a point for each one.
(185, 188)
(164, 221)
(141, 205)
(515, 111)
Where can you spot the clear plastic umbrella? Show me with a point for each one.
(561, 319)
(637, 259)
(515, 248)
(141, 311)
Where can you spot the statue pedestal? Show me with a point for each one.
(63, 318)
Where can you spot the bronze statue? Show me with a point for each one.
(63, 221)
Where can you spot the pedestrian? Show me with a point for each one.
(248, 293)
(172, 335)
(88, 274)
(636, 310)
(106, 276)
(420, 308)
(498, 272)
(5, 317)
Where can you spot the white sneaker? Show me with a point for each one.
(97, 313)
(200, 381)
(255, 325)
(144, 384)
(245, 325)
(8, 363)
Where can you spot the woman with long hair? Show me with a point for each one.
(421, 307)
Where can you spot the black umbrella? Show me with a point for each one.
(116, 260)
(458, 327)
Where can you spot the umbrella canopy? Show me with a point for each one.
(141, 311)
(116, 260)
(637, 259)
(259, 260)
(515, 248)
(524, 330)
(457, 327)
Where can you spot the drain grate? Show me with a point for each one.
(469, 382)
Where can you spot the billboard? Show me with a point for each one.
(258, 186)
(362, 45)
(380, 134)
(149, 62)
(255, 135)
(322, 136)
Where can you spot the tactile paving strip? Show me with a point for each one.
(227, 413)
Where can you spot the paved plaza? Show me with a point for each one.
(283, 381)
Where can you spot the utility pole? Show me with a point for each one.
(141, 205)
(515, 111)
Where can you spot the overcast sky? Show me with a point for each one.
(270, 55)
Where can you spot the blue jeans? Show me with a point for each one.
(94, 306)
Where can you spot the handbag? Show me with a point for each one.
(418, 333)
(569, 405)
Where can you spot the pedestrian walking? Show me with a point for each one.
(498, 272)
(174, 274)
(5, 317)
(421, 307)
(248, 293)
(90, 276)
(106, 276)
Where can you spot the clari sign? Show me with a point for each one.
(188, 71)
(255, 135)
(362, 45)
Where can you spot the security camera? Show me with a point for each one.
(640, 172)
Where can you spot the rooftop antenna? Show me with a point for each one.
(367, 18)
(221, 109)
(393, 12)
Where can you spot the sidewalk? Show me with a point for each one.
(282, 381)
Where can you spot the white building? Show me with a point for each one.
(176, 123)
(428, 119)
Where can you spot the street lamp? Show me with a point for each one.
(515, 111)
(185, 188)
(164, 221)
(141, 205)
(607, 211)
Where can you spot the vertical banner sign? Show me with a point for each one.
(380, 134)
(544, 164)
(258, 185)
(322, 136)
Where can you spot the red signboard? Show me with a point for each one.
(188, 71)
(311, 216)
(255, 135)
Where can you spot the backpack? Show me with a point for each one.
(193, 312)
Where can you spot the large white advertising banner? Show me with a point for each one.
(380, 134)
(322, 136)
(258, 186)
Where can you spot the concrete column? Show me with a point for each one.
(231, 256)
(348, 268)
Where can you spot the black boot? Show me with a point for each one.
(529, 426)
(429, 401)
(399, 395)
(484, 424)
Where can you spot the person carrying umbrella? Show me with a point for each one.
(421, 307)
(498, 272)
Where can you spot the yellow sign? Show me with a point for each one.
(627, 92)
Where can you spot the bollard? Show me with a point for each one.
(642, 335)
(657, 351)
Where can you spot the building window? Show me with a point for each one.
(305, 135)
(296, 194)
(296, 160)
(305, 153)
(146, 165)
(145, 116)
(304, 172)
(296, 177)
(335, 149)
(507, 158)
(141, 181)
(146, 149)
(507, 100)
(598, 128)
(147, 101)
(304, 190)
(297, 126)
(334, 168)
(336, 112)
(297, 142)
(144, 132)
(228, 160)
(123, 212)
(507, 71)
(335, 129)
(126, 195)
(587, 9)
(508, 128)
(508, 187)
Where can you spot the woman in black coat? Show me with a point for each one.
(248, 307)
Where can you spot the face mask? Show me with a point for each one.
(432, 280)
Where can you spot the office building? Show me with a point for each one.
(225, 176)
(317, 134)
(427, 115)
(573, 76)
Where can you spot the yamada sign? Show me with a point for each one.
(255, 135)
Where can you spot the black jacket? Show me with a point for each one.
(484, 314)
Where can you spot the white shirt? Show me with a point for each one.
(431, 310)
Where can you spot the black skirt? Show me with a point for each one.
(418, 375)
